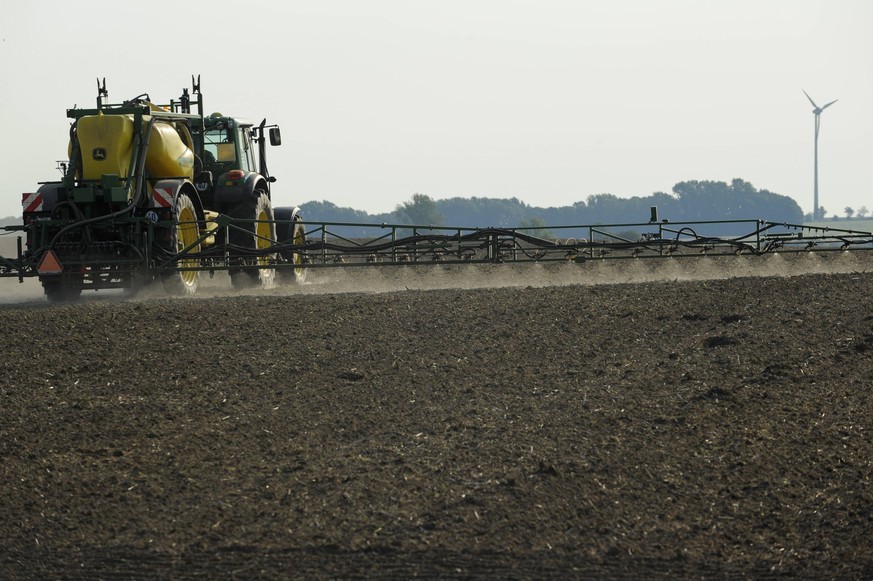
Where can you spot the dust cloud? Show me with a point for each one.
(593, 272)
(433, 276)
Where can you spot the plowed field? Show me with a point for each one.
(509, 423)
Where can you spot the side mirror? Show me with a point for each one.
(275, 136)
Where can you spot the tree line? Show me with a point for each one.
(689, 201)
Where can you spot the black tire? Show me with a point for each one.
(134, 283)
(185, 233)
(61, 290)
(257, 235)
(290, 230)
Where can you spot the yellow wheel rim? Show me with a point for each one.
(299, 239)
(187, 234)
(264, 232)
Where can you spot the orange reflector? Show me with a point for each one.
(49, 264)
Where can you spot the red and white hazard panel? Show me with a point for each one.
(31, 202)
(163, 197)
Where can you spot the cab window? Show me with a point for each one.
(218, 146)
(247, 161)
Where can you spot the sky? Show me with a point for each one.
(547, 101)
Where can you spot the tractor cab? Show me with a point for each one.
(229, 154)
(227, 145)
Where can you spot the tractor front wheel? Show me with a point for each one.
(291, 231)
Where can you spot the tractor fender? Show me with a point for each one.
(166, 192)
(285, 216)
(288, 213)
(50, 195)
(228, 196)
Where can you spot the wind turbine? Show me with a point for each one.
(817, 112)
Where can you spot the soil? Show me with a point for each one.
(544, 426)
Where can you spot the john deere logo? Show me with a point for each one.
(99, 154)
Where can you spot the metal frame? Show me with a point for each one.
(327, 246)
(334, 245)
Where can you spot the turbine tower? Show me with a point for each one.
(817, 112)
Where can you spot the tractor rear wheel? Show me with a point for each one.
(185, 234)
(258, 235)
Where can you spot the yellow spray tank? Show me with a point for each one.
(171, 151)
(106, 145)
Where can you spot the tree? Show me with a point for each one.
(605, 209)
(324, 211)
(421, 211)
(536, 226)
(739, 200)
(863, 211)
(849, 212)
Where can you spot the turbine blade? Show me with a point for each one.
(829, 104)
(810, 99)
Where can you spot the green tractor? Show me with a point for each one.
(160, 192)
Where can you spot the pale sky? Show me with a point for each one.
(549, 101)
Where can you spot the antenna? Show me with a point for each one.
(817, 112)
(102, 93)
